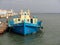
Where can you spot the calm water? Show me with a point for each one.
(50, 35)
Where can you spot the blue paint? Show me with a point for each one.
(25, 28)
(25, 24)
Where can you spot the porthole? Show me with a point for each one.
(18, 19)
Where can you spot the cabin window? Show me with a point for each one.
(31, 20)
(25, 13)
(18, 19)
(28, 20)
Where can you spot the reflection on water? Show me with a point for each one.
(50, 35)
(14, 39)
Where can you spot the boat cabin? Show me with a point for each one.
(25, 17)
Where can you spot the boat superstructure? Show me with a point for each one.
(25, 24)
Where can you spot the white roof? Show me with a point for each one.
(3, 12)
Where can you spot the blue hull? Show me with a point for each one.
(26, 28)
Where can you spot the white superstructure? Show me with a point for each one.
(7, 13)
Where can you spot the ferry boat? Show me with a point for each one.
(25, 24)
(7, 13)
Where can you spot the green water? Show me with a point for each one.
(50, 35)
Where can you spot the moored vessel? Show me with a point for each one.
(3, 27)
(7, 13)
(25, 24)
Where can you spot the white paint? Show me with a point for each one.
(3, 12)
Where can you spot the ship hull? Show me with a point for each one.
(3, 27)
(26, 28)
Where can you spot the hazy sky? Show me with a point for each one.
(39, 6)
